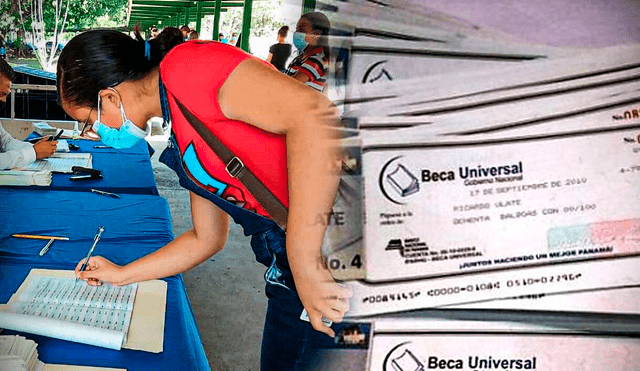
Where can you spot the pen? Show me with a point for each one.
(52, 138)
(95, 242)
(102, 147)
(46, 247)
(105, 193)
(37, 237)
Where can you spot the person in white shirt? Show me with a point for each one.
(13, 152)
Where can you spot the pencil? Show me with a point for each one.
(36, 237)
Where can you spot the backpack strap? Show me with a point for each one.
(236, 169)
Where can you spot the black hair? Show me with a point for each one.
(320, 22)
(98, 59)
(6, 70)
(183, 27)
(283, 31)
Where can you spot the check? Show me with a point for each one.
(479, 346)
(451, 208)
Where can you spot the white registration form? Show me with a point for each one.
(62, 162)
(61, 308)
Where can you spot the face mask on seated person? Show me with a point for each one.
(125, 137)
(299, 40)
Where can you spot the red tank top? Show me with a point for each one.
(193, 73)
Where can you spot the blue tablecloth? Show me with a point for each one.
(135, 225)
(123, 171)
(182, 344)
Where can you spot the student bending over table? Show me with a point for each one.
(275, 125)
(13, 152)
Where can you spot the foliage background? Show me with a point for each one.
(83, 14)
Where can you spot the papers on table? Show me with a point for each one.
(39, 172)
(43, 128)
(62, 146)
(25, 178)
(61, 308)
(145, 330)
(18, 353)
(61, 162)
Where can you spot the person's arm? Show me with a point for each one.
(272, 50)
(303, 78)
(208, 236)
(313, 162)
(14, 152)
(311, 69)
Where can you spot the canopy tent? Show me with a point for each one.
(179, 12)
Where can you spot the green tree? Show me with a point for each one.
(82, 15)
(264, 19)
(86, 14)
(39, 21)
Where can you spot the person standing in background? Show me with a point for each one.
(233, 39)
(280, 52)
(312, 64)
(3, 48)
(185, 32)
(193, 35)
(154, 32)
(13, 152)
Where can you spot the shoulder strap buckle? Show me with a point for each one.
(234, 167)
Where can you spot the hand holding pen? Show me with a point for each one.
(96, 238)
(96, 270)
(55, 139)
(45, 148)
(100, 270)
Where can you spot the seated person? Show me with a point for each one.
(312, 64)
(12, 151)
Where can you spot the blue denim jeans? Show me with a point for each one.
(288, 343)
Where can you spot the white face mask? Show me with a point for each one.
(125, 137)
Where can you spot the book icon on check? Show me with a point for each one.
(407, 362)
(403, 181)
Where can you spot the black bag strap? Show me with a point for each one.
(236, 169)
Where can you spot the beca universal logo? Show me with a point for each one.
(397, 181)
(403, 357)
